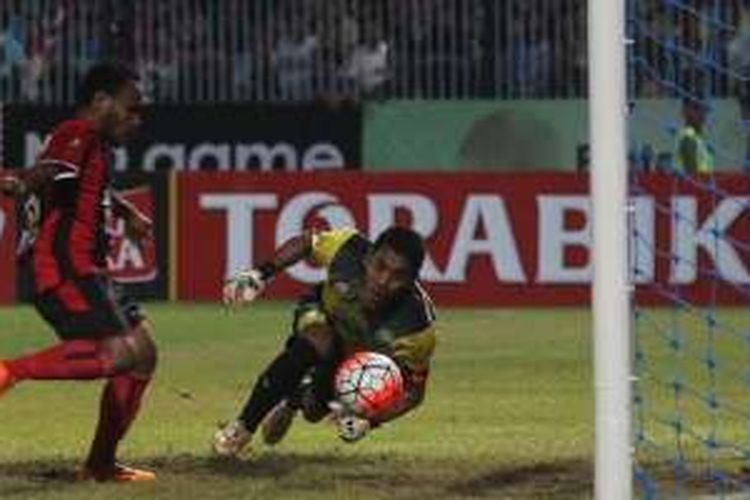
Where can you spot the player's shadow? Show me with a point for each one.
(24, 479)
(302, 472)
(559, 480)
(280, 464)
(39, 474)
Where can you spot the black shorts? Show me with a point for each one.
(88, 307)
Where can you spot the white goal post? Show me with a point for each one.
(610, 290)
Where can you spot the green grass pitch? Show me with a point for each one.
(508, 414)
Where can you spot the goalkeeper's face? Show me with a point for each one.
(387, 275)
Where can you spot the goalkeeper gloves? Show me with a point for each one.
(350, 427)
(243, 287)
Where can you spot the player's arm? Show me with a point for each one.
(413, 397)
(288, 254)
(60, 162)
(18, 183)
(320, 247)
(412, 353)
(246, 285)
(137, 225)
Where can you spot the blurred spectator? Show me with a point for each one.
(293, 60)
(739, 64)
(91, 47)
(655, 32)
(528, 49)
(247, 47)
(367, 68)
(692, 152)
(12, 52)
(159, 72)
(44, 35)
(119, 29)
(305, 49)
(157, 66)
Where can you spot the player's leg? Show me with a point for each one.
(122, 395)
(119, 404)
(315, 397)
(311, 340)
(82, 353)
(311, 396)
(99, 338)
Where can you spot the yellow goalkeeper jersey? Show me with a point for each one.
(404, 330)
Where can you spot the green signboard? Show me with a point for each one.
(526, 134)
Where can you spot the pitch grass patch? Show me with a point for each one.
(508, 415)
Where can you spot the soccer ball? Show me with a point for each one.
(368, 383)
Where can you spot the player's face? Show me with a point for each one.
(125, 114)
(387, 274)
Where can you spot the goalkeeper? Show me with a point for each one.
(370, 300)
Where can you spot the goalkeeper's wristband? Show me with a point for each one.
(267, 270)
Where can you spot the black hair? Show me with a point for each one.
(405, 242)
(107, 77)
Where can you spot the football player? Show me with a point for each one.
(103, 335)
(370, 300)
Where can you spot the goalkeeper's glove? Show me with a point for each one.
(350, 427)
(245, 286)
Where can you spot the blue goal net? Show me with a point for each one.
(689, 87)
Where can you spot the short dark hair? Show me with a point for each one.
(108, 77)
(405, 242)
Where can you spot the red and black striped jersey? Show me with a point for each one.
(71, 239)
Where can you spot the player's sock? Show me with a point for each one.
(120, 402)
(279, 380)
(132, 388)
(69, 360)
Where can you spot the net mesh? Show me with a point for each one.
(690, 245)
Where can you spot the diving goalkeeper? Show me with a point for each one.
(371, 300)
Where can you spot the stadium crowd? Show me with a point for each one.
(303, 49)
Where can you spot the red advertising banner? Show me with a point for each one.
(141, 267)
(129, 261)
(492, 239)
(7, 251)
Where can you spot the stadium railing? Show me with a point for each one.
(287, 50)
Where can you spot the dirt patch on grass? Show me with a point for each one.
(329, 475)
